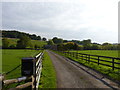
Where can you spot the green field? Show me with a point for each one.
(39, 43)
(11, 66)
(13, 42)
(11, 61)
(110, 53)
(115, 74)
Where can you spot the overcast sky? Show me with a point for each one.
(71, 19)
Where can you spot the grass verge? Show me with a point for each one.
(48, 75)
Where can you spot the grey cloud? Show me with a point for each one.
(66, 20)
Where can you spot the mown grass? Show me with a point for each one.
(11, 63)
(11, 58)
(114, 74)
(110, 53)
(48, 77)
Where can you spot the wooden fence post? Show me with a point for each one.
(76, 55)
(73, 54)
(112, 63)
(86, 57)
(65, 53)
(82, 56)
(68, 53)
(34, 75)
(29, 70)
(33, 86)
(2, 77)
(89, 58)
(33, 81)
(98, 60)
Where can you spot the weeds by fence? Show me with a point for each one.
(112, 62)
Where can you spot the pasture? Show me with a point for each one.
(11, 61)
(11, 66)
(13, 41)
(109, 53)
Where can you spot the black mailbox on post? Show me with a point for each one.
(28, 66)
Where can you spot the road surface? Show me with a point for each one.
(71, 76)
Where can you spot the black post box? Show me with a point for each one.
(28, 66)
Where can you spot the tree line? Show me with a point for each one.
(23, 40)
(60, 44)
(17, 34)
(54, 43)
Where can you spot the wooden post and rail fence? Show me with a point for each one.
(111, 62)
(30, 70)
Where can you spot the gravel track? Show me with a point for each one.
(70, 76)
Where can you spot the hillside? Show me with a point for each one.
(13, 42)
(17, 34)
(13, 36)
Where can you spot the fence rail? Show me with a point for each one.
(32, 80)
(112, 62)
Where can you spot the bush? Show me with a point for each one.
(5, 43)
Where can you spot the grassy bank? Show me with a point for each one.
(48, 77)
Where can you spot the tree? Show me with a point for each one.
(94, 46)
(12, 46)
(69, 45)
(60, 41)
(33, 36)
(5, 43)
(38, 38)
(57, 40)
(50, 42)
(60, 47)
(75, 46)
(80, 47)
(36, 46)
(107, 46)
(86, 44)
(17, 34)
(24, 42)
(118, 47)
(65, 41)
(44, 39)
